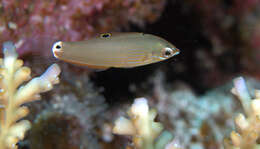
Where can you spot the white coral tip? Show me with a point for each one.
(51, 74)
(140, 107)
(18, 129)
(240, 88)
(9, 50)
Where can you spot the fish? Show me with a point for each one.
(117, 50)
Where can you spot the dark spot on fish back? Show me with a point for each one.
(105, 35)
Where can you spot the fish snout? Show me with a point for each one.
(176, 51)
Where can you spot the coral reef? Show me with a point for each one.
(232, 27)
(196, 121)
(247, 124)
(191, 92)
(142, 127)
(73, 123)
(36, 22)
(15, 93)
(204, 124)
(201, 120)
(61, 132)
(75, 113)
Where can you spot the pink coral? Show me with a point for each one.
(25, 20)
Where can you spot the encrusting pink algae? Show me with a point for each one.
(32, 23)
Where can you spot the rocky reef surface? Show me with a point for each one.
(219, 40)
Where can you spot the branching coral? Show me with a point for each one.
(143, 129)
(14, 93)
(248, 125)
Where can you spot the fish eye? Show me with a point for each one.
(167, 52)
(105, 35)
(58, 47)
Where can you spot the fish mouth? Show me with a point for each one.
(57, 53)
(176, 51)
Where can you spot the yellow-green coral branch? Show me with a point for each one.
(248, 124)
(140, 126)
(13, 74)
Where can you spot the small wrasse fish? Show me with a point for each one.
(120, 50)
